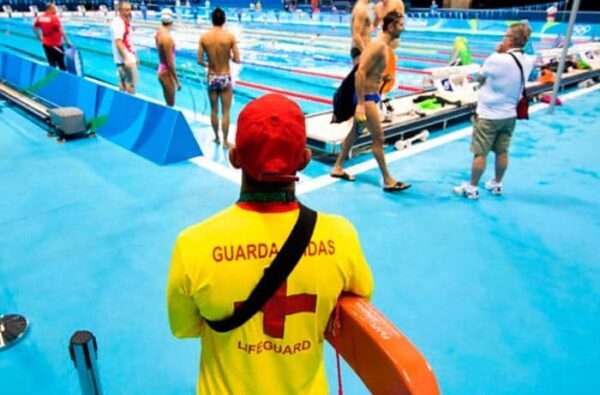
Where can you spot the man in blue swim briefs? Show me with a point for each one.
(220, 47)
(368, 81)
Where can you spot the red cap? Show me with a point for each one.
(271, 138)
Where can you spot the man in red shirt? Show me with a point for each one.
(49, 31)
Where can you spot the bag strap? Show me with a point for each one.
(275, 274)
(521, 70)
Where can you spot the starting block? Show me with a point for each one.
(452, 83)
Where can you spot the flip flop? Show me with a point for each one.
(397, 187)
(344, 176)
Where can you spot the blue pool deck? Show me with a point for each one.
(501, 295)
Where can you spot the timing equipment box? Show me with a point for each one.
(67, 120)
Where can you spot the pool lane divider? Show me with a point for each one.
(414, 71)
(314, 98)
(325, 75)
(414, 58)
(303, 96)
(293, 70)
(410, 88)
(475, 55)
(297, 95)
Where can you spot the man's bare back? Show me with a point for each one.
(220, 47)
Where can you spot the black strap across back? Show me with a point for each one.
(275, 275)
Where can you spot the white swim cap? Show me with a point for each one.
(166, 16)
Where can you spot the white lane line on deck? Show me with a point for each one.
(371, 164)
(307, 185)
(228, 173)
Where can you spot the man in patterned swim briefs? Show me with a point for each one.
(219, 82)
(220, 47)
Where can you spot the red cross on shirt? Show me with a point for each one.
(280, 306)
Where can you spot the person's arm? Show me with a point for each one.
(359, 86)
(63, 34)
(501, 47)
(184, 317)
(201, 51)
(489, 65)
(37, 30)
(378, 16)
(488, 68)
(359, 83)
(400, 8)
(235, 52)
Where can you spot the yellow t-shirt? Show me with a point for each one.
(280, 350)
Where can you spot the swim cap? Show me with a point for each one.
(271, 138)
(166, 16)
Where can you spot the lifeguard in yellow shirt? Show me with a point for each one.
(217, 263)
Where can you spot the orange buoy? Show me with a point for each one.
(384, 359)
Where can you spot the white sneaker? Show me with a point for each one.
(467, 190)
(494, 187)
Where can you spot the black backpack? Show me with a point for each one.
(343, 99)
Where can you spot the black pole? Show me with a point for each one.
(83, 349)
